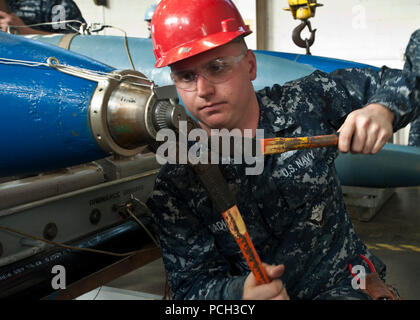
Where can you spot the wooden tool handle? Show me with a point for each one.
(279, 145)
(330, 140)
(238, 229)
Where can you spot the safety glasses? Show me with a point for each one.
(216, 71)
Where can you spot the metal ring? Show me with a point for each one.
(98, 113)
(53, 62)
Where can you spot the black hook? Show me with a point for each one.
(297, 39)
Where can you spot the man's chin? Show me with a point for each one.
(222, 124)
(215, 121)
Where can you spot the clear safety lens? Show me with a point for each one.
(216, 71)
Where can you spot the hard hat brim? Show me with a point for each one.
(195, 47)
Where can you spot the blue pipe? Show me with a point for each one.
(44, 120)
(111, 50)
(393, 166)
(321, 63)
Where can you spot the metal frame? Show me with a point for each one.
(107, 274)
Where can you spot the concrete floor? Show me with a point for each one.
(149, 279)
(393, 235)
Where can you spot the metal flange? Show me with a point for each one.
(119, 112)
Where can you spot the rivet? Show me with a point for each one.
(95, 216)
(50, 231)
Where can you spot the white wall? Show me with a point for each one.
(129, 15)
(368, 31)
(248, 10)
(124, 14)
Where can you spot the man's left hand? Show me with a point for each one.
(366, 130)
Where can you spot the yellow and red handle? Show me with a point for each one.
(238, 229)
(279, 145)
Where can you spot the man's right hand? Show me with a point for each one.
(7, 19)
(275, 290)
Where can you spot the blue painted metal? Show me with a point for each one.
(111, 50)
(393, 166)
(273, 67)
(321, 63)
(44, 113)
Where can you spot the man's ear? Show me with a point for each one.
(252, 63)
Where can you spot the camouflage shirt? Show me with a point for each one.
(412, 64)
(37, 11)
(294, 211)
(414, 135)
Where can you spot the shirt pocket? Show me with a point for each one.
(305, 181)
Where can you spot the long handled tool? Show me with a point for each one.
(280, 145)
(224, 201)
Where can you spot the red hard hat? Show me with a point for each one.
(183, 28)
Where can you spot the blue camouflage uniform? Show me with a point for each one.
(414, 135)
(413, 64)
(38, 11)
(294, 211)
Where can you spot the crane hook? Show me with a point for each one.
(297, 38)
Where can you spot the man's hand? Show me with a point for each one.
(275, 290)
(7, 20)
(366, 130)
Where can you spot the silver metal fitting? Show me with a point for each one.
(127, 110)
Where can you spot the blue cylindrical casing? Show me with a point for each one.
(393, 166)
(111, 50)
(44, 121)
(321, 63)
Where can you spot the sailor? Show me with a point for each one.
(22, 13)
(412, 64)
(149, 15)
(294, 211)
